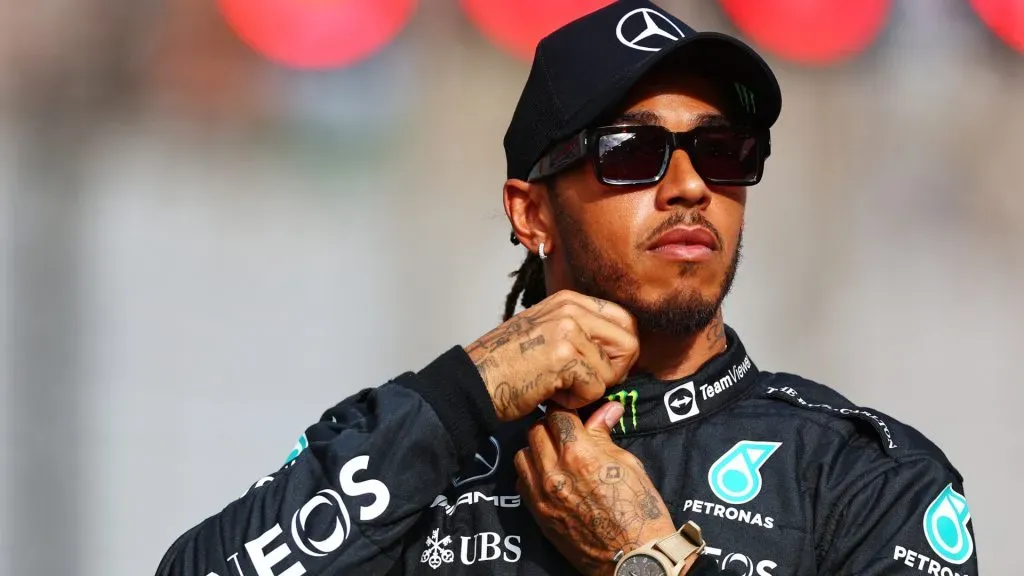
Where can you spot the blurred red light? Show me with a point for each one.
(517, 26)
(317, 33)
(815, 32)
(1005, 18)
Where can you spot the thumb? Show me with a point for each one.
(605, 418)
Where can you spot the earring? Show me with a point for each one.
(540, 251)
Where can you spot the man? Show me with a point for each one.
(629, 157)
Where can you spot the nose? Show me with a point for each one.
(682, 186)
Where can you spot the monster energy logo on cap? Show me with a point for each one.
(746, 98)
(621, 397)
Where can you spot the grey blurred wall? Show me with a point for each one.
(203, 251)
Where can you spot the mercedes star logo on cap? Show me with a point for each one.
(653, 37)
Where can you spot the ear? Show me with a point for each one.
(529, 211)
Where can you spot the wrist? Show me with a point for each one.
(653, 534)
(453, 387)
(485, 366)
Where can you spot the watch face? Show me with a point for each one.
(641, 565)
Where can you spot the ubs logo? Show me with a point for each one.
(475, 549)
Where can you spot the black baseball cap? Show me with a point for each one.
(583, 70)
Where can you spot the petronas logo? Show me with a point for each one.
(300, 445)
(945, 526)
(628, 401)
(736, 477)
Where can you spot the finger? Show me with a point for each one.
(616, 346)
(604, 420)
(617, 339)
(586, 374)
(566, 399)
(542, 448)
(564, 426)
(580, 374)
(560, 485)
(527, 484)
(580, 387)
(606, 308)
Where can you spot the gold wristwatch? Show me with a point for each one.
(664, 557)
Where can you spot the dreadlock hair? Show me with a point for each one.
(529, 285)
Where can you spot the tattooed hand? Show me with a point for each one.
(568, 348)
(589, 497)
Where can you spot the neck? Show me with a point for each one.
(668, 357)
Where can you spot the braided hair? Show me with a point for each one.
(529, 285)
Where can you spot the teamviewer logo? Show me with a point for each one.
(681, 403)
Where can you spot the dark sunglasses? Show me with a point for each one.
(640, 154)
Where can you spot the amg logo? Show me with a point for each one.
(470, 498)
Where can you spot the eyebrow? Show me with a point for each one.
(710, 120)
(638, 117)
(646, 117)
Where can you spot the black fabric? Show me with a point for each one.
(785, 476)
(654, 405)
(584, 69)
(706, 566)
(455, 390)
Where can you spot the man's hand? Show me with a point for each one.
(590, 498)
(567, 348)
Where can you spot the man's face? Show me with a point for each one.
(613, 241)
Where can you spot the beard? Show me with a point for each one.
(682, 312)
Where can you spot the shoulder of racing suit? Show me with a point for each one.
(870, 430)
(886, 499)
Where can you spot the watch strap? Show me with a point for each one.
(682, 544)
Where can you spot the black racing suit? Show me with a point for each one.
(785, 476)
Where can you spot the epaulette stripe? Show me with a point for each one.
(793, 397)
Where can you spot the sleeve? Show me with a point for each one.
(909, 518)
(356, 482)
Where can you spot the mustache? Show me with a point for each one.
(689, 219)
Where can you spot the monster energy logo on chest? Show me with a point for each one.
(628, 401)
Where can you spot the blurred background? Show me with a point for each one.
(224, 217)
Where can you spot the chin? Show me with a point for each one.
(691, 281)
(679, 314)
(680, 296)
